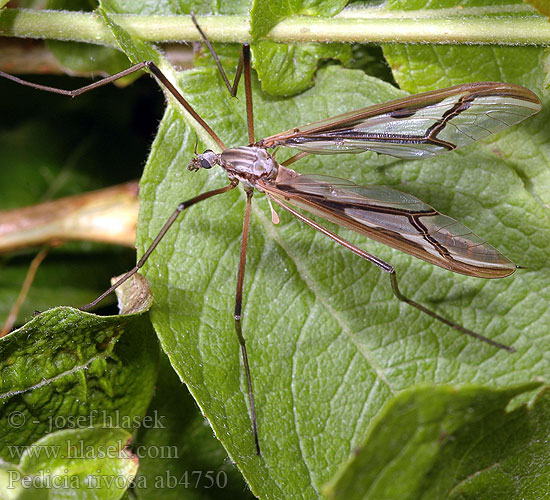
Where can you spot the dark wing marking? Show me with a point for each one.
(418, 126)
(396, 219)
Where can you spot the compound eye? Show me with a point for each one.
(205, 163)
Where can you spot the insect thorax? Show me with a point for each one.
(249, 164)
(246, 164)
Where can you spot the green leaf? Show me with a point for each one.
(450, 442)
(265, 14)
(287, 69)
(67, 368)
(89, 463)
(328, 343)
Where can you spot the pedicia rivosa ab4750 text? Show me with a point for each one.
(410, 128)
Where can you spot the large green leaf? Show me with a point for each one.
(327, 341)
(448, 442)
(286, 69)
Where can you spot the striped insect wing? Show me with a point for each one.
(418, 126)
(398, 220)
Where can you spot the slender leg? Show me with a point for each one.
(151, 66)
(294, 158)
(248, 92)
(393, 278)
(244, 63)
(231, 88)
(81, 90)
(181, 207)
(238, 317)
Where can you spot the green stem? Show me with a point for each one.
(356, 25)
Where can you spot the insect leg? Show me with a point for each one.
(231, 88)
(150, 65)
(244, 63)
(81, 90)
(393, 278)
(248, 92)
(181, 207)
(292, 159)
(238, 316)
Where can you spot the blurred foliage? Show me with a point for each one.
(53, 146)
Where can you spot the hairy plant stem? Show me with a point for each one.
(352, 25)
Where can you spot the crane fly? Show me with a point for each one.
(415, 127)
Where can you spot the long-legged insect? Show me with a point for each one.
(413, 127)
